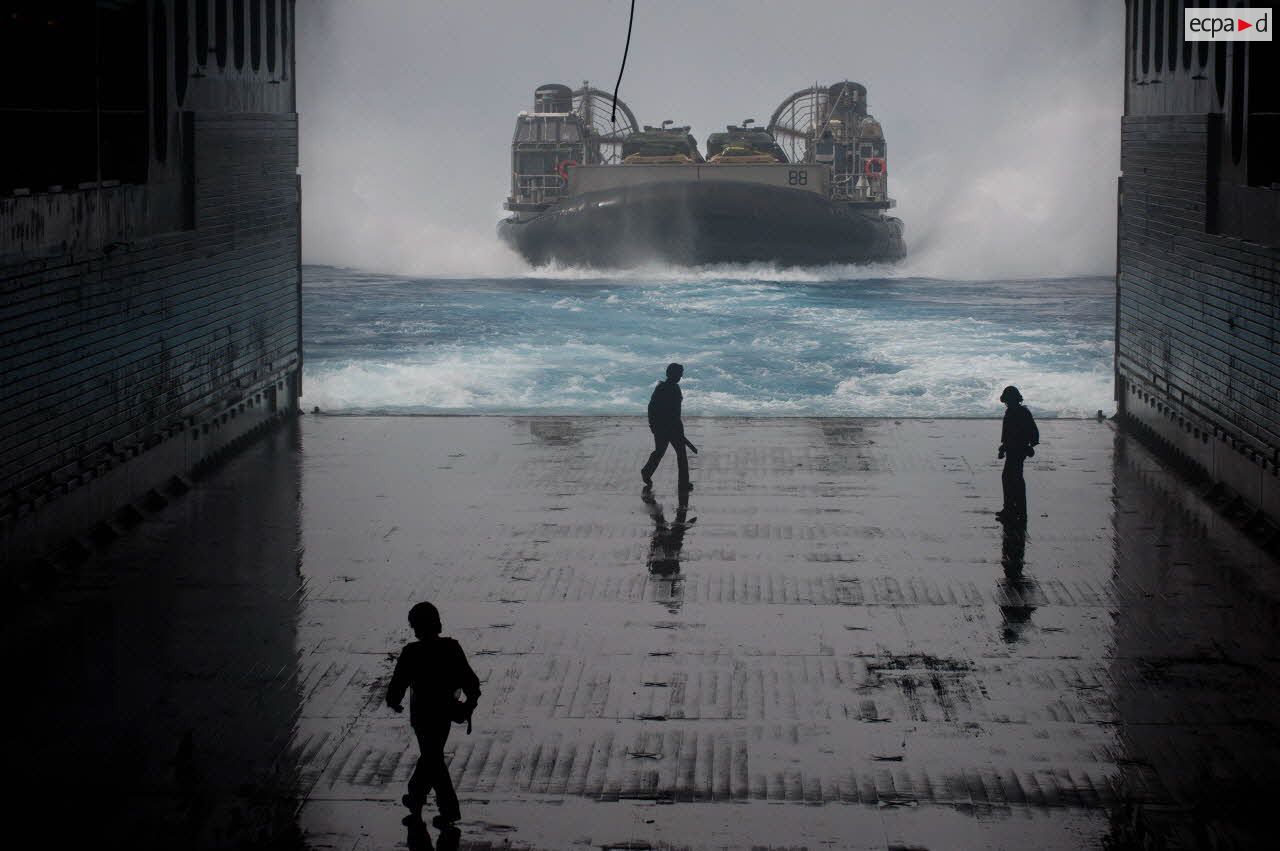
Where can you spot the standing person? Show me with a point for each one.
(1018, 435)
(667, 428)
(435, 668)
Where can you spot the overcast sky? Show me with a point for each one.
(1002, 116)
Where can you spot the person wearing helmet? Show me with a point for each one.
(1018, 436)
(434, 669)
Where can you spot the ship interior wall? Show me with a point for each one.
(1197, 352)
(150, 274)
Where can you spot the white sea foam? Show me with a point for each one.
(517, 382)
(879, 348)
(934, 388)
(471, 378)
(958, 366)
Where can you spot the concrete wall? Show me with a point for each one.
(1198, 309)
(145, 328)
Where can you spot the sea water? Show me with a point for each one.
(847, 341)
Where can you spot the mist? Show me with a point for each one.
(1002, 118)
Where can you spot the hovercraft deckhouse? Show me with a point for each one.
(811, 188)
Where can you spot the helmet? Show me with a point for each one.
(1011, 394)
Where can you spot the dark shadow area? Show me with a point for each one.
(160, 676)
(663, 559)
(74, 133)
(1016, 590)
(1194, 668)
(419, 839)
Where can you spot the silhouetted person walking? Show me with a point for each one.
(667, 427)
(435, 668)
(1018, 436)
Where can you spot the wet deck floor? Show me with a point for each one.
(838, 648)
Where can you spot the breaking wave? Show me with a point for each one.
(756, 341)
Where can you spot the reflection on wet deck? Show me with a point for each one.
(834, 619)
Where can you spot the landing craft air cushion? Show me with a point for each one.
(592, 187)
